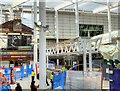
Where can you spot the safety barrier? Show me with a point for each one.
(59, 80)
(7, 73)
(18, 72)
(23, 71)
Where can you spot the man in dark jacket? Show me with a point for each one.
(33, 86)
(18, 87)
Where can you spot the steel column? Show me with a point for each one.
(109, 21)
(77, 18)
(90, 56)
(35, 37)
(57, 31)
(84, 61)
(42, 46)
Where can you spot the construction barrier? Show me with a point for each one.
(59, 80)
(18, 72)
(23, 71)
(83, 80)
(5, 87)
(7, 73)
(114, 79)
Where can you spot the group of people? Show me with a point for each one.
(51, 78)
(3, 81)
(32, 85)
(52, 75)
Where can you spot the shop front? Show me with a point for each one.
(12, 58)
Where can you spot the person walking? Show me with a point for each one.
(63, 68)
(1, 78)
(18, 87)
(64, 71)
(47, 81)
(4, 80)
(33, 75)
(33, 86)
(51, 79)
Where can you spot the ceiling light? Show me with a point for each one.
(39, 23)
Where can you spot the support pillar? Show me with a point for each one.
(47, 58)
(35, 37)
(77, 18)
(84, 61)
(57, 62)
(69, 59)
(109, 21)
(90, 55)
(90, 60)
(57, 31)
(42, 46)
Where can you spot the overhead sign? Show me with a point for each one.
(18, 56)
(16, 53)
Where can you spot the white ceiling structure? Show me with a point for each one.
(86, 6)
(94, 6)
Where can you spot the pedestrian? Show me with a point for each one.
(4, 80)
(18, 87)
(64, 71)
(47, 81)
(1, 78)
(63, 68)
(51, 79)
(33, 86)
(33, 75)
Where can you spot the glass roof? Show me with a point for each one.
(90, 6)
(85, 5)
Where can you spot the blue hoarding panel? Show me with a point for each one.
(115, 83)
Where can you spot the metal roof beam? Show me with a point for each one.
(114, 5)
(63, 5)
(71, 2)
(17, 3)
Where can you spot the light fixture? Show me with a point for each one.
(39, 23)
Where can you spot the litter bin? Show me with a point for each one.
(115, 79)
